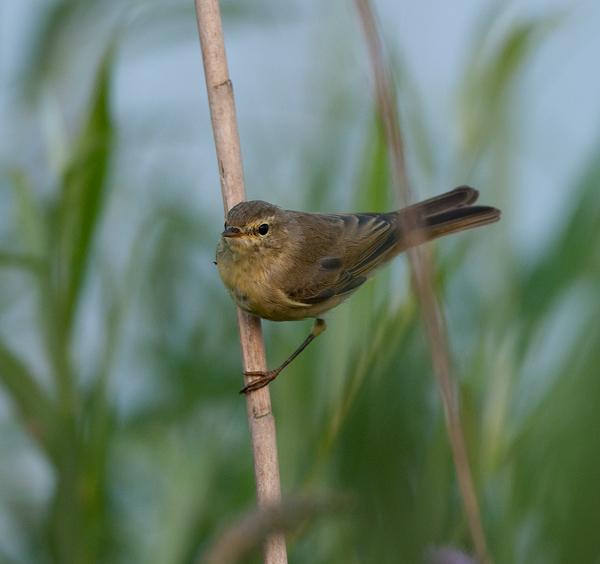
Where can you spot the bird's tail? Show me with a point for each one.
(450, 213)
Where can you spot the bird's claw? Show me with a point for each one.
(261, 382)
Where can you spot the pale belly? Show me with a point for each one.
(252, 289)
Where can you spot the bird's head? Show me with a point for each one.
(253, 227)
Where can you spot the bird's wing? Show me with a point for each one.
(364, 242)
(367, 240)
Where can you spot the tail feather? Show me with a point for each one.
(449, 213)
(460, 219)
(459, 197)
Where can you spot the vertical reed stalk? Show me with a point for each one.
(260, 416)
(422, 269)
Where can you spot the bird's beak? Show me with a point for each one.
(232, 232)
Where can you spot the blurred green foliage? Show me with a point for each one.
(122, 436)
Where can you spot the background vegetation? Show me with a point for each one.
(122, 436)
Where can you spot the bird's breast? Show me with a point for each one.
(253, 281)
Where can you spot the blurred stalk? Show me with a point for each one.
(422, 270)
(260, 416)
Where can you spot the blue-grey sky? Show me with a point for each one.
(278, 68)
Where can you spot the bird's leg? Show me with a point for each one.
(270, 375)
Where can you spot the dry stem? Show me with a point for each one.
(422, 269)
(260, 416)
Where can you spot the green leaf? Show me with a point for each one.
(491, 78)
(373, 186)
(571, 257)
(77, 216)
(30, 220)
(60, 22)
(33, 405)
(20, 261)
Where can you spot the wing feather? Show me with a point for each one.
(346, 249)
(364, 242)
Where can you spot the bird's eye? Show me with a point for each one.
(263, 229)
(225, 225)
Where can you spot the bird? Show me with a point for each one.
(284, 265)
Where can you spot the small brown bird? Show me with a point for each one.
(285, 265)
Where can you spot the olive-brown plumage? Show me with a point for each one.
(285, 265)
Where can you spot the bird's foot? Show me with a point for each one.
(263, 380)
